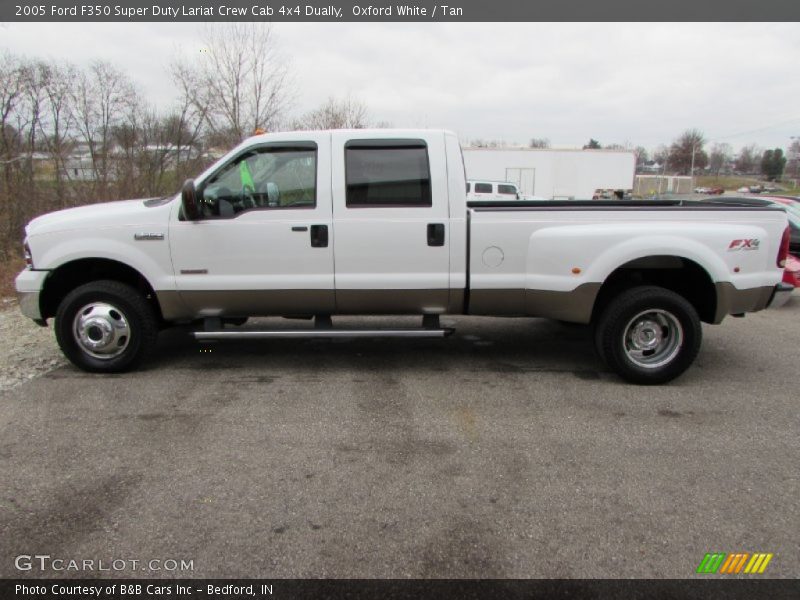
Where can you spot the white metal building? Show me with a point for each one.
(553, 174)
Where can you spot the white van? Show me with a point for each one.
(479, 189)
(492, 190)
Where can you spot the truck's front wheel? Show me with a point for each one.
(105, 326)
(649, 335)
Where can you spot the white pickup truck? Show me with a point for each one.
(369, 222)
(505, 191)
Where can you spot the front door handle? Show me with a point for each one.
(319, 236)
(435, 234)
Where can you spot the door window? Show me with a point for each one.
(263, 178)
(381, 173)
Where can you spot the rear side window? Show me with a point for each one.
(483, 188)
(506, 189)
(387, 173)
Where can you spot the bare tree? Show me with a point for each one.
(347, 113)
(12, 89)
(12, 95)
(57, 80)
(686, 152)
(184, 125)
(720, 155)
(542, 143)
(747, 161)
(241, 82)
(481, 143)
(102, 95)
(641, 156)
(661, 155)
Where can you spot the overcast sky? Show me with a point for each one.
(637, 83)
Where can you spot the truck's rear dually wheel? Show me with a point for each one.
(648, 334)
(105, 326)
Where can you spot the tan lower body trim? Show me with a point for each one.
(733, 301)
(244, 303)
(575, 305)
(387, 302)
(250, 303)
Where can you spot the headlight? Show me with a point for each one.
(28, 257)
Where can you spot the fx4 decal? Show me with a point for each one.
(751, 244)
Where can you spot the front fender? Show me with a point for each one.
(151, 258)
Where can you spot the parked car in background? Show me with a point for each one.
(792, 273)
(478, 189)
(612, 195)
(794, 200)
(709, 190)
(792, 207)
(492, 190)
(757, 189)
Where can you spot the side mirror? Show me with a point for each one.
(189, 200)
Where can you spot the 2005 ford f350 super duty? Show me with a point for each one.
(377, 222)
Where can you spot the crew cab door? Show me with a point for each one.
(263, 243)
(390, 207)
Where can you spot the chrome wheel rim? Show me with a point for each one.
(653, 338)
(101, 330)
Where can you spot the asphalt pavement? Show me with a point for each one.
(507, 450)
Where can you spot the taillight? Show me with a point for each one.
(783, 251)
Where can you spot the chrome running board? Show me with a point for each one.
(321, 333)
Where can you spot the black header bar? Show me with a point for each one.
(399, 11)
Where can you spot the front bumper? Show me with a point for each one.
(780, 295)
(29, 286)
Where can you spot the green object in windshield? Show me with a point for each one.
(247, 179)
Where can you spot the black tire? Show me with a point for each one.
(668, 322)
(118, 300)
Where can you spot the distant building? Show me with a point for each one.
(551, 173)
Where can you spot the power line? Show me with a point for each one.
(760, 129)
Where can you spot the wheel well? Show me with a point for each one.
(681, 275)
(70, 275)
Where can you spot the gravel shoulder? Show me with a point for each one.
(26, 350)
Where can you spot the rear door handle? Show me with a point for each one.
(319, 236)
(435, 234)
